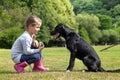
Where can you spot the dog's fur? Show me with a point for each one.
(79, 48)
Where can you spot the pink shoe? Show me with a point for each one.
(19, 67)
(38, 66)
(40, 69)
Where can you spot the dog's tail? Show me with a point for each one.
(116, 70)
(103, 70)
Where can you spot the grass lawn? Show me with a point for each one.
(57, 60)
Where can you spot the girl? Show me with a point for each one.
(22, 53)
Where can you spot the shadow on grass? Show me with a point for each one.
(13, 72)
(109, 71)
(7, 72)
(114, 71)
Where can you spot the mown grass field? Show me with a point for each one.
(57, 60)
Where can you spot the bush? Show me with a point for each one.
(8, 37)
(109, 37)
(84, 34)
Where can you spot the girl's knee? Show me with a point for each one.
(37, 56)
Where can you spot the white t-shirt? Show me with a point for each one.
(22, 45)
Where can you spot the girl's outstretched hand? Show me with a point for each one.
(41, 45)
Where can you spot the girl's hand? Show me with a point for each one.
(35, 43)
(41, 45)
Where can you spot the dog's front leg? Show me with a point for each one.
(71, 62)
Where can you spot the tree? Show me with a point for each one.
(90, 22)
(109, 4)
(83, 33)
(13, 13)
(5, 19)
(82, 5)
(115, 13)
(12, 16)
(105, 21)
(114, 36)
(105, 37)
(109, 37)
(9, 36)
(108, 12)
(118, 31)
(52, 13)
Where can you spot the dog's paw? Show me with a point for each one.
(67, 70)
(83, 70)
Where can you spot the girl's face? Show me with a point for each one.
(34, 28)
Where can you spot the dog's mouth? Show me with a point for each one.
(55, 36)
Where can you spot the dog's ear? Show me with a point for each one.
(61, 26)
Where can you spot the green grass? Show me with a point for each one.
(57, 60)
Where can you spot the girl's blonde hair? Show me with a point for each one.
(32, 20)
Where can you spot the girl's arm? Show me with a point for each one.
(26, 43)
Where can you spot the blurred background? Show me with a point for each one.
(97, 21)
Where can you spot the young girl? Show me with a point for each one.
(22, 53)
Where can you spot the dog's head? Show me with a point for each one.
(57, 31)
(61, 30)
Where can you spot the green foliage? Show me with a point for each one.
(110, 4)
(82, 5)
(94, 6)
(44, 35)
(118, 29)
(115, 11)
(9, 36)
(82, 32)
(52, 13)
(114, 36)
(107, 11)
(105, 21)
(5, 19)
(14, 13)
(12, 17)
(109, 37)
(105, 37)
(90, 23)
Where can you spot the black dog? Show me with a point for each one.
(79, 48)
